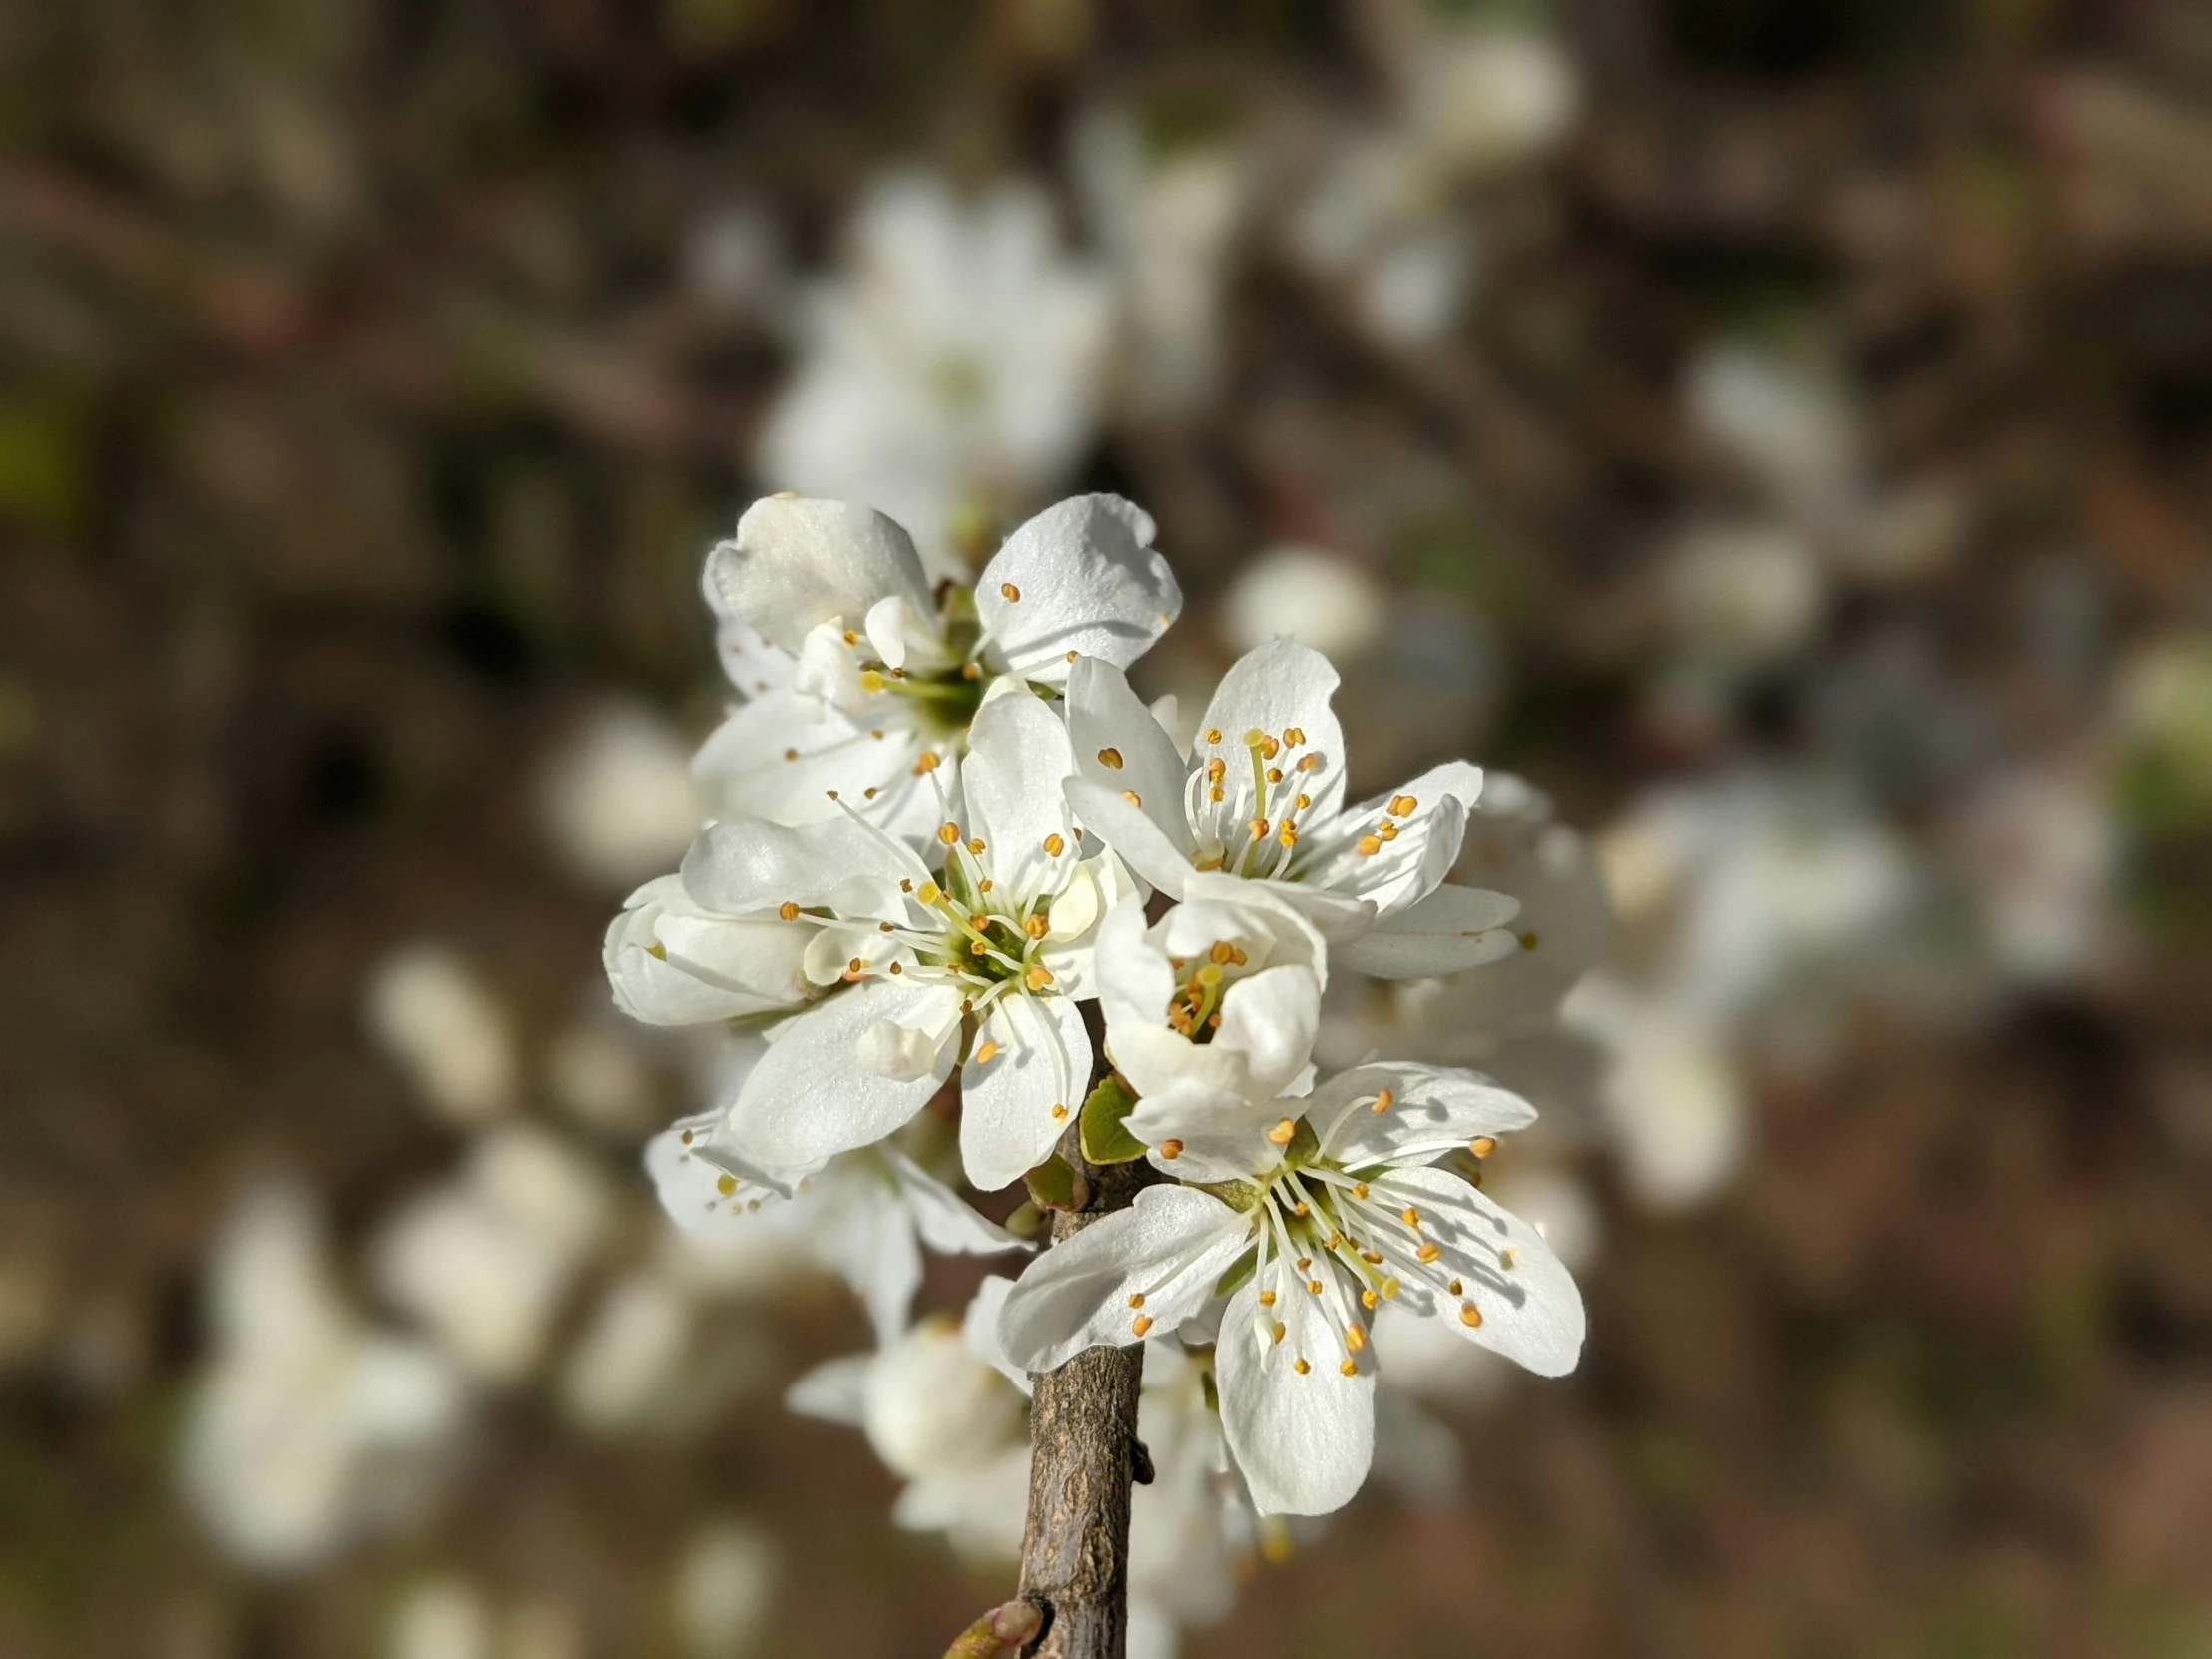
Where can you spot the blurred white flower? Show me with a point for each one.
(1192, 1528)
(439, 1618)
(1742, 596)
(1377, 222)
(1673, 1093)
(2040, 848)
(1789, 422)
(595, 1073)
(956, 368)
(733, 262)
(1484, 97)
(431, 1012)
(616, 799)
(630, 1359)
(1302, 593)
(943, 1416)
(725, 1588)
(306, 1430)
(1168, 224)
(484, 1260)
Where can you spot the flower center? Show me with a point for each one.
(1246, 818)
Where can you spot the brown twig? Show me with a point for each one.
(1084, 1457)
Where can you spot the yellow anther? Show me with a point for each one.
(1271, 747)
(1110, 759)
(1140, 1325)
(1368, 1298)
(1386, 830)
(1171, 1150)
(1302, 802)
(1275, 1330)
(832, 794)
(687, 1137)
(871, 680)
(1355, 1338)
(1410, 1216)
(1037, 977)
(1310, 761)
(791, 754)
(1213, 733)
(1284, 1129)
(1457, 1286)
(1351, 1367)
(1300, 1366)
(1055, 847)
(1223, 952)
(1469, 1315)
(882, 927)
(1214, 793)
(976, 846)
(895, 968)
(1036, 928)
(876, 731)
(1402, 806)
(1071, 656)
(1359, 1189)
(907, 884)
(986, 1054)
(1298, 1209)
(1509, 1257)
(978, 948)
(984, 885)
(1429, 1251)
(1216, 769)
(1482, 1145)
(1527, 942)
(1304, 1262)
(1259, 828)
(929, 760)
(1059, 1112)
(1382, 1099)
(1267, 1299)
(1133, 797)
(1369, 846)
(1313, 1285)
(853, 967)
(726, 1185)
(871, 791)
(1374, 1258)
(949, 833)
(930, 894)
(787, 911)
(1287, 834)
(1011, 592)
(1137, 1301)
(1275, 774)
(1294, 734)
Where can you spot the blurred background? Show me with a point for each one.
(1778, 430)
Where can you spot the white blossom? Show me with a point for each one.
(428, 1009)
(616, 800)
(863, 1214)
(1304, 594)
(1261, 799)
(486, 1259)
(956, 365)
(725, 1588)
(1311, 1213)
(893, 959)
(307, 1429)
(860, 679)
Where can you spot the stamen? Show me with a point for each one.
(1055, 847)
(1469, 1315)
(986, 1054)
(1283, 1131)
(1300, 1366)
(1012, 593)
(1140, 1325)
(949, 833)
(1369, 846)
(1171, 1150)
(1351, 1367)
(787, 911)
(1402, 806)
(1213, 733)
(1383, 1101)
(1482, 1145)
(1110, 759)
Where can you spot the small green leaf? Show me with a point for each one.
(1026, 1222)
(1055, 1185)
(1105, 1141)
(1238, 1271)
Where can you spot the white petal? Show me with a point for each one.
(1424, 840)
(811, 1095)
(781, 756)
(1135, 982)
(1084, 578)
(1269, 1020)
(1304, 1442)
(1141, 840)
(980, 1329)
(1119, 746)
(1279, 687)
(1215, 1135)
(947, 1223)
(834, 1391)
(1565, 923)
(751, 867)
(1434, 1110)
(869, 1242)
(1017, 757)
(649, 985)
(1451, 929)
(1171, 1246)
(705, 1192)
(1043, 1060)
(1531, 1311)
(796, 562)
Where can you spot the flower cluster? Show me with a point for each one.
(958, 871)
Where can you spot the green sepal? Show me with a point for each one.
(1026, 1222)
(1105, 1141)
(1055, 1185)
(1236, 1273)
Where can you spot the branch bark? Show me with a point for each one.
(1084, 1457)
